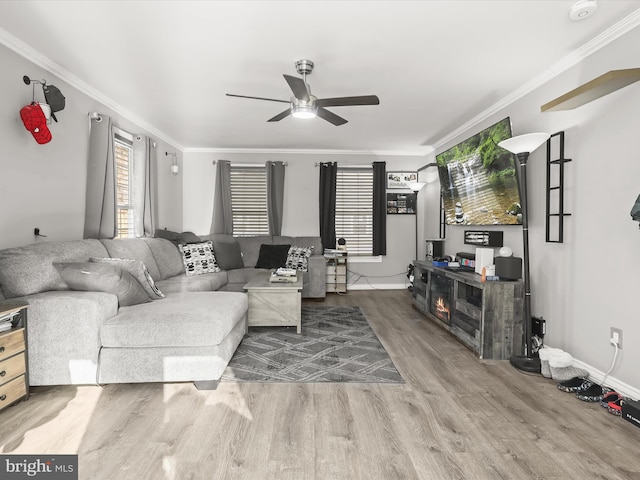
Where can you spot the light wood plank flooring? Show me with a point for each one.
(455, 418)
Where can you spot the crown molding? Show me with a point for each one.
(625, 25)
(417, 152)
(614, 32)
(21, 48)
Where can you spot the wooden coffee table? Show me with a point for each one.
(274, 304)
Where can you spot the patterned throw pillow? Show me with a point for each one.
(198, 258)
(298, 258)
(139, 271)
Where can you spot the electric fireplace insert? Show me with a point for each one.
(440, 296)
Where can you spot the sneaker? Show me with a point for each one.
(576, 384)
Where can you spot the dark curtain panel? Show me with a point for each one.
(328, 177)
(222, 221)
(379, 208)
(100, 201)
(275, 196)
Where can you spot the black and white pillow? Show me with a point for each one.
(298, 258)
(198, 258)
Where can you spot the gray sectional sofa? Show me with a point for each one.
(86, 337)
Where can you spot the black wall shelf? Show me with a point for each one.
(555, 217)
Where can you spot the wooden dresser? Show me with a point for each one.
(14, 382)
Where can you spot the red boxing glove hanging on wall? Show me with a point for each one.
(35, 121)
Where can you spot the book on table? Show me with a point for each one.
(284, 275)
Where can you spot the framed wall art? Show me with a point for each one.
(401, 203)
(401, 179)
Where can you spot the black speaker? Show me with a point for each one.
(508, 268)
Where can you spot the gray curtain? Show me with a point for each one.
(275, 196)
(328, 179)
(145, 192)
(100, 202)
(379, 208)
(222, 221)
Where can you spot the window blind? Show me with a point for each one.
(249, 201)
(354, 209)
(124, 185)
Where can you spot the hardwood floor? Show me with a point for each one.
(455, 418)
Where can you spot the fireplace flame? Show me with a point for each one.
(441, 307)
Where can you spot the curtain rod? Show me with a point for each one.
(241, 164)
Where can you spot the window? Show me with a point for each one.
(123, 151)
(354, 209)
(249, 201)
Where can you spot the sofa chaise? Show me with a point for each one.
(85, 335)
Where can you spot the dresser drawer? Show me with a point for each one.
(12, 391)
(11, 343)
(11, 368)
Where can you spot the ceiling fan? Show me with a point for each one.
(305, 105)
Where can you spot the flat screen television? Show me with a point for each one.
(479, 180)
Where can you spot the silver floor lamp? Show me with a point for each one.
(522, 146)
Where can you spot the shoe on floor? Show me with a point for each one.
(576, 384)
(592, 394)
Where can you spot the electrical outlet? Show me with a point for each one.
(616, 337)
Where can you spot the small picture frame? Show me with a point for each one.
(401, 179)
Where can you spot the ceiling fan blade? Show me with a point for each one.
(258, 98)
(298, 87)
(347, 101)
(331, 117)
(280, 116)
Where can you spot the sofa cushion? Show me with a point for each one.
(29, 269)
(228, 254)
(206, 282)
(101, 277)
(272, 256)
(177, 238)
(190, 319)
(138, 270)
(242, 275)
(250, 248)
(135, 249)
(315, 242)
(167, 257)
(198, 258)
(298, 258)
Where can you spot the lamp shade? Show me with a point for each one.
(416, 186)
(524, 143)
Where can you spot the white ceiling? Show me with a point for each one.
(434, 64)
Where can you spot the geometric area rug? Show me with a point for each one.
(337, 344)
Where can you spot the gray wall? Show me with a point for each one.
(590, 282)
(44, 185)
(301, 209)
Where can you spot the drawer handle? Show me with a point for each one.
(3, 373)
(1, 349)
(3, 398)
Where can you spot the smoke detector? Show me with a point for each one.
(582, 9)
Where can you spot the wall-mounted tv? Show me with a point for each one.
(479, 180)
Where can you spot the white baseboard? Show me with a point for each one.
(378, 286)
(620, 387)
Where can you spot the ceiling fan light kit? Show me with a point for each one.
(305, 105)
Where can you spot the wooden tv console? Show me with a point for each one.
(486, 316)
